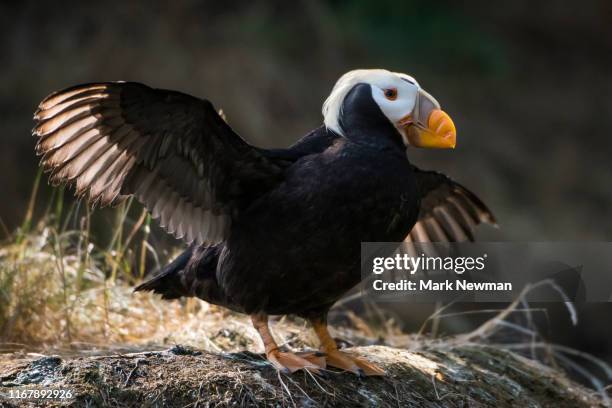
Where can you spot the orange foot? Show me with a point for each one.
(315, 357)
(290, 362)
(348, 362)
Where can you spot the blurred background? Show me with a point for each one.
(529, 85)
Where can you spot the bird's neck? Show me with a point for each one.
(382, 136)
(363, 122)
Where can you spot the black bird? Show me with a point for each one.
(271, 231)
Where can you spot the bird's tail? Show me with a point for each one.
(169, 283)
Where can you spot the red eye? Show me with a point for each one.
(391, 94)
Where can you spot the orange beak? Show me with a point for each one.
(440, 132)
(429, 126)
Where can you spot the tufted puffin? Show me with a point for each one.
(270, 231)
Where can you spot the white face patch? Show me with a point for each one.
(403, 104)
(395, 108)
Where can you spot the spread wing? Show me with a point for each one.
(172, 151)
(449, 212)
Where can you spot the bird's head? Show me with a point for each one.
(366, 99)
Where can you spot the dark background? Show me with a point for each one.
(529, 85)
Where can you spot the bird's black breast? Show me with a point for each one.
(297, 248)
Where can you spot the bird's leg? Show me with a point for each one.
(284, 361)
(340, 359)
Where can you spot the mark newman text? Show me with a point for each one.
(447, 285)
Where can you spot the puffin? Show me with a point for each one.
(268, 231)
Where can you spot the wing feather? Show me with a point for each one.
(448, 212)
(172, 151)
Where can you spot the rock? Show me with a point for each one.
(438, 376)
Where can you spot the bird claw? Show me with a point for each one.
(354, 364)
(315, 357)
(287, 362)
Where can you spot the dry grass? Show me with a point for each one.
(59, 290)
